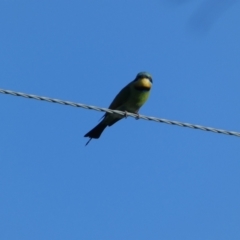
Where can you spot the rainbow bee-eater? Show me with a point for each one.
(129, 99)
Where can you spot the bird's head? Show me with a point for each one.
(143, 81)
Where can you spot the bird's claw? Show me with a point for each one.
(138, 116)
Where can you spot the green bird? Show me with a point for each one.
(129, 99)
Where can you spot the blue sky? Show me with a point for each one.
(140, 180)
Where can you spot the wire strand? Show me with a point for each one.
(159, 120)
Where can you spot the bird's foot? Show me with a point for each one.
(125, 115)
(138, 116)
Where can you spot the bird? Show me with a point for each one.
(129, 99)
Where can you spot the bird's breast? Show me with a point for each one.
(137, 99)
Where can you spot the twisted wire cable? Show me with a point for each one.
(160, 120)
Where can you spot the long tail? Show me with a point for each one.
(95, 132)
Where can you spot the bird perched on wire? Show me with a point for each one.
(129, 99)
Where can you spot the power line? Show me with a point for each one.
(160, 120)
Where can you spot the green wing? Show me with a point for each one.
(121, 97)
